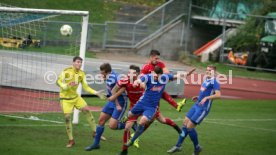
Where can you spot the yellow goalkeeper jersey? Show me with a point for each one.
(68, 76)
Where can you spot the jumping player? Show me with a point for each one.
(209, 90)
(68, 81)
(149, 102)
(147, 69)
(154, 60)
(109, 111)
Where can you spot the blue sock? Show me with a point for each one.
(99, 132)
(121, 125)
(193, 136)
(134, 126)
(139, 131)
(182, 136)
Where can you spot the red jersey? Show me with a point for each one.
(149, 67)
(133, 93)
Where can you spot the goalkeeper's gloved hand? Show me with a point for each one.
(101, 94)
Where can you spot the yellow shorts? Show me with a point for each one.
(68, 105)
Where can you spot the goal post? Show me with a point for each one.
(22, 65)
(82, 55)
(44, 11)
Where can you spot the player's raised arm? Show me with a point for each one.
(190, 72)
(87, 88)
(182, 76)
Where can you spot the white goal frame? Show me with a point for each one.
(84, 30)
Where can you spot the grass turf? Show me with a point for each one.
(237, 127)
(53, 50)
(99, 10)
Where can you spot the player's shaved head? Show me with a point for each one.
(106, 67)
(134, 67)
(77, 58)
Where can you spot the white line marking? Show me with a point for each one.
(214, 121)
(32, 118)
(235, 125)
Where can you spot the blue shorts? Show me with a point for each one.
(140, 109)
(197, 113)
(110, 109)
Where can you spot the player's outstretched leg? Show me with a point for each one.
(181, 104)
(178, 106)
(169, 99)
(167, 121)
(171, 123)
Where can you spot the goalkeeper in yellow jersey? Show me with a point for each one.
(68, 82)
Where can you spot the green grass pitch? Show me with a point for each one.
(233, 127)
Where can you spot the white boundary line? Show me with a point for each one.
(211, 121)
(214, 121)
(32, 118)
(235, 125)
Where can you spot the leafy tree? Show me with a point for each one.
(249, 35)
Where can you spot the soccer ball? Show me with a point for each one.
(66, 30)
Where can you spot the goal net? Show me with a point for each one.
(32, 54)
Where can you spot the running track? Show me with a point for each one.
(32, 101)
(241, 88)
